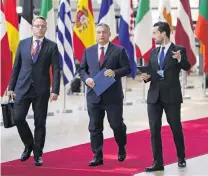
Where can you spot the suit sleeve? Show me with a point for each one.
(150, 66)
(16, 69)
(184, 63)
(55, 70)
(83, 70)
(125, 67)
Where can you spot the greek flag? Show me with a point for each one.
(64, 41)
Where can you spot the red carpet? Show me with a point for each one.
(73, 161)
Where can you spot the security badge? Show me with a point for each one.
(161, 73)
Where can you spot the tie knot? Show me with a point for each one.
(163, 48)
(37, 42)
(102, 47)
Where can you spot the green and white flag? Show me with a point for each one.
(143, 29)
(47, 11)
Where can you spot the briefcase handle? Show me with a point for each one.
(10, 100)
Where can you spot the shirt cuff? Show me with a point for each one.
(179, 60)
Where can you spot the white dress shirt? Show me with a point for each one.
(99, 49)
(99, 53)
(167, 46)
(41, 40)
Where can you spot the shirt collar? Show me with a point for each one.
(41, 40)
(105, 46)
(166, 45)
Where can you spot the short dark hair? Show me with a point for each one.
(163, 27)
(39, 17)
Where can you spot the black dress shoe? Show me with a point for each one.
(154, 167)
(122, 154)
(96, 162)
(26, 154)
(181, 162)
(38, 160)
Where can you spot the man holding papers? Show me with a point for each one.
(112, 61)
(165, 94)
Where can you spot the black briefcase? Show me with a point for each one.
(8, 114)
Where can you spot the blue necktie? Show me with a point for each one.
(37, 46)
(162, 58)
(36, 50)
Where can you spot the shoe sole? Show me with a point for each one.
(38, 164)
(96, 165)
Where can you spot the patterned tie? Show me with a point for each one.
(162, 58)
(101, 56)
(36, 48)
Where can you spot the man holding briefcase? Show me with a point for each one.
(30, 84)
(114, 58)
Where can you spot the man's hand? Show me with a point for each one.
(11, 95)
(176, 55)
(53, 97)
(145, 76)
(109, 73)
(90, 82)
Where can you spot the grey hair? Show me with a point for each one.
(103, 25)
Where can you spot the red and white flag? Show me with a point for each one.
(5, 59)
(184, 34)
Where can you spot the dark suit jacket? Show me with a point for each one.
(167, 90)
(25, 72)
(116, 59)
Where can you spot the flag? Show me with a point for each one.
(84, 28)
(107, 16)
(47, 11)
(201, 30)
(64, 41)
(143, 30)
(12, 26)
(126, 32)
(184, 34)
(5, 60)
(205, 55)
(165, 12)
(25, 28)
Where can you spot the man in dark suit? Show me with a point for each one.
(165, 94)
(30, 83)
(114, 58)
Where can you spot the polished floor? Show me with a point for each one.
(71, 128)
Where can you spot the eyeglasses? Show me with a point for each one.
(40, 26)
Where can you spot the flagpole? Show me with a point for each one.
(64, 110)
(84, 89)
(143, 100)
(204, 85)
(183, 85)
(1, 111)
(124, 82)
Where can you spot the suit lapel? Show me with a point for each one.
(168, 56)
(155, 59)
(95, 55)
(27, 46)
(108, 52)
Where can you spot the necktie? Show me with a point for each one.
(36, 48)
(101, 56)
(162, 58)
